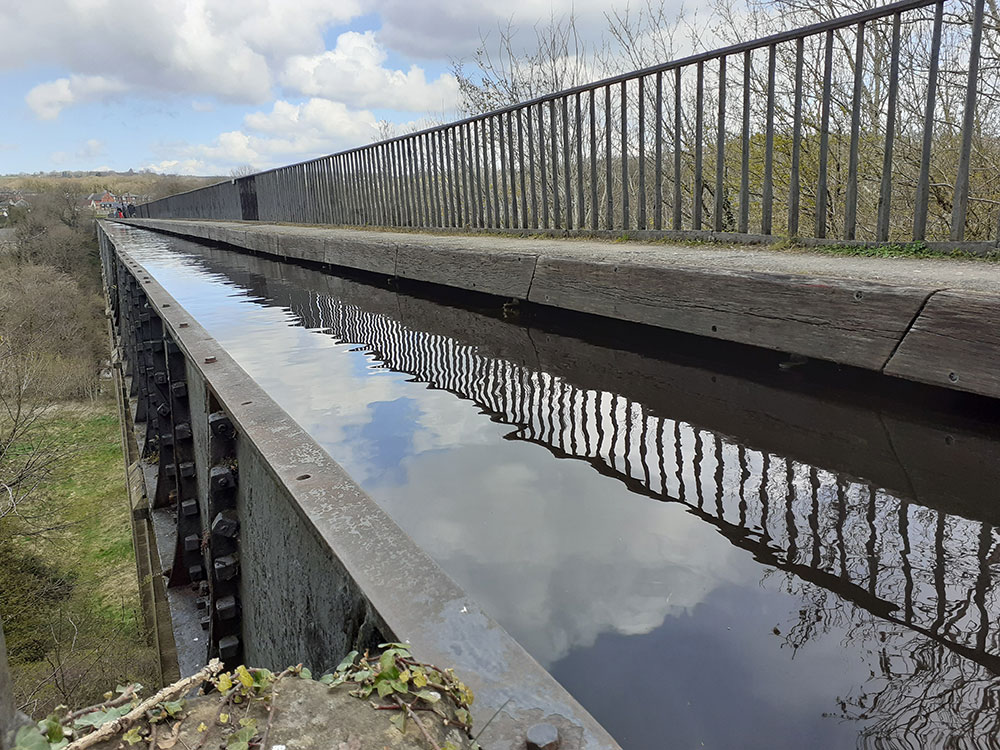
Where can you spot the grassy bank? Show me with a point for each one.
(70, 599)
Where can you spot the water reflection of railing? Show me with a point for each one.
(904, 562)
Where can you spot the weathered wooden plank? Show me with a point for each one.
(373, 256)
(233, 234)
(955, 343)
(301, 244)
(845, 321)
(460, 263)
(261, 241)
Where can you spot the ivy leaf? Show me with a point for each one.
(30, 738)
(241, 740)
(465, 694)
(384, 688)
(399, 687)
(132, 736)
(305, 674)
(387, 661)
(262, 678)
(244, 676)
(223, 718)
(463, 716)
(404, 676)
(398, 646)
(431, 696)
(51, 728)
(225, 683)
(173, 707)
(97, 718)
(328, 679)
(348, 661)
(399, 720)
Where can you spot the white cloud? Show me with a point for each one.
(237, 51)
(47, 100)
(91, 147)
(203, 47)
(289, 132)
(353, 72)
(86, 153)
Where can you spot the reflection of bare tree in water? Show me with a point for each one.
(921, 694)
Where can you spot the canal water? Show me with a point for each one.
(702, 556)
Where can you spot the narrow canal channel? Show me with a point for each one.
(702, 559)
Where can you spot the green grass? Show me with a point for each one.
(904, 250)
(79, 581)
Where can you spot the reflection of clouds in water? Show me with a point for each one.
(319, 384)
(556, 552)
(536, 548)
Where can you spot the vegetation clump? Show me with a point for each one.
(241, 714)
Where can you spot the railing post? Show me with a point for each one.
(720, 151)
(851, 208)
(768, 196)
(699, 147)
(795, 187)
(960, 205)
(885, 192)
(824, 137)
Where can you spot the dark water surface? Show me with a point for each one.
(702, 560)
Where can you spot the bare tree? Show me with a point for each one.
(243, 170)
(502, 72)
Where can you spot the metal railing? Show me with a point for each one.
(734, 142)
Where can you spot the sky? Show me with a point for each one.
(207, 86)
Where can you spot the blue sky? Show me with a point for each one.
(204, 86)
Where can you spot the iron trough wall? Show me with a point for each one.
(292, 560)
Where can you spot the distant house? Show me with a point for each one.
(101, 201)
